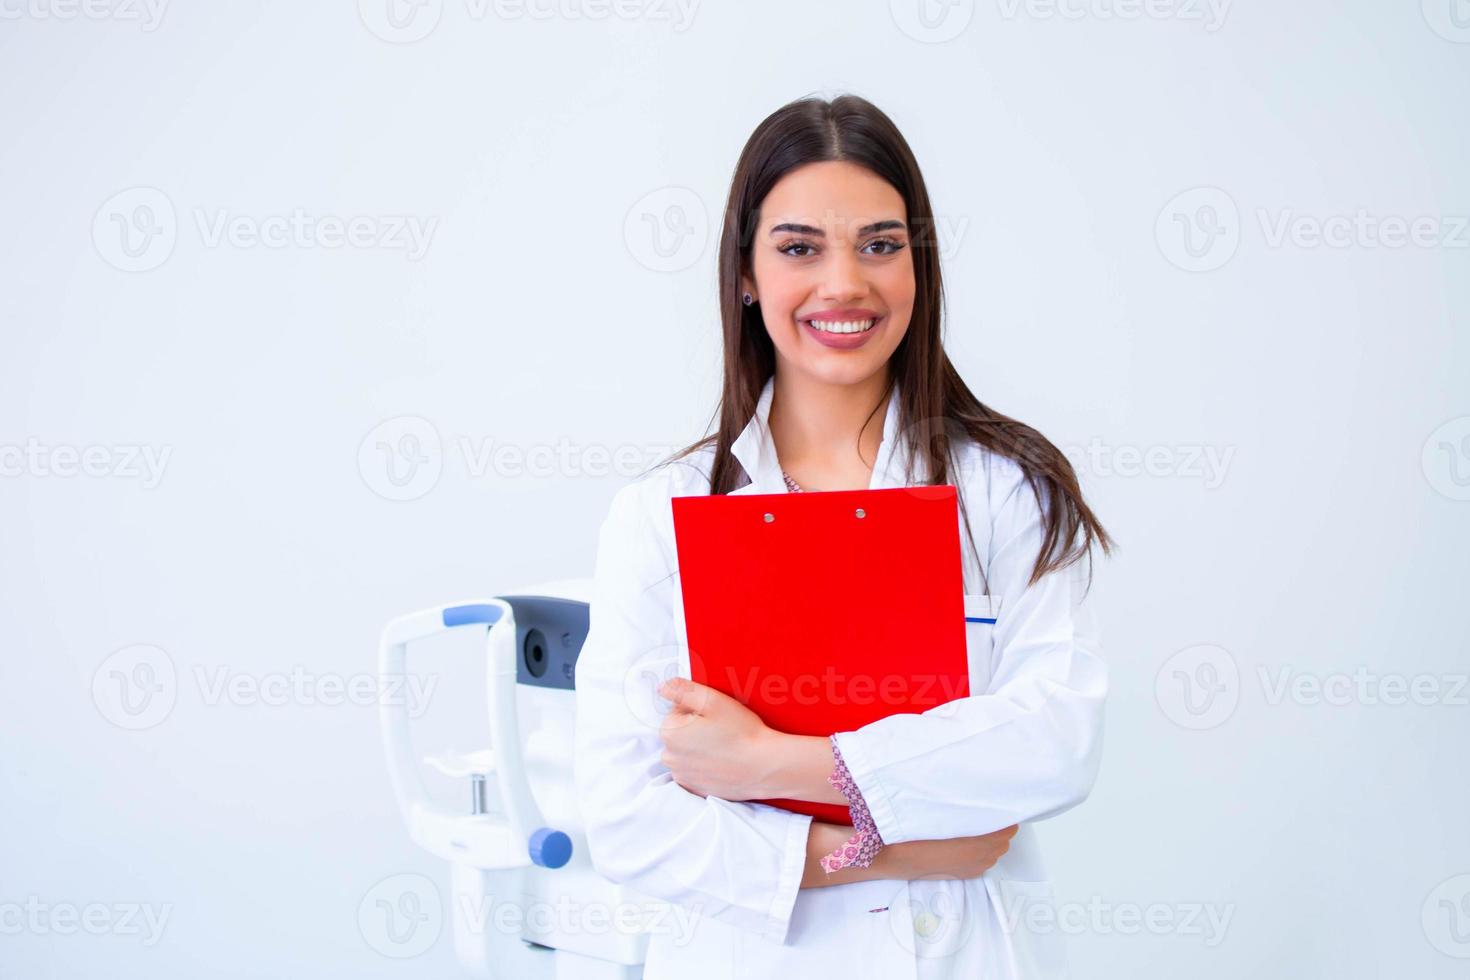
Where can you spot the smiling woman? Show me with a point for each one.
(835, 378)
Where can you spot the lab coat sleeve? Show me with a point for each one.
(739, 863)
(1025, 749)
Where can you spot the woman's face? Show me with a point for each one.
(832, 251)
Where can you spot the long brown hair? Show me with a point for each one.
(935, 404)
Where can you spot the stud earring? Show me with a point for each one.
(749, 299)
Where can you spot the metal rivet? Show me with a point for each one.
(861, 512)
(770, 518)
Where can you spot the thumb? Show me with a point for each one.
(684, 693)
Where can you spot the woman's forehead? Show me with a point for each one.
(831, 194)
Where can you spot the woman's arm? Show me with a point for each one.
(1027, 748)
(958, 857)
(798, 769)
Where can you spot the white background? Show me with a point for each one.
(1331, 379)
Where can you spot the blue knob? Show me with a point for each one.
(550, 848)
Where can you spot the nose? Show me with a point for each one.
(843, 279)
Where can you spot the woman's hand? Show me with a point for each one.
(713, 744)
(958, 857)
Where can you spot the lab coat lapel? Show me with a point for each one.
(755, 450)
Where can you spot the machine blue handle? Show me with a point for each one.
(550, 848)
(471, 613)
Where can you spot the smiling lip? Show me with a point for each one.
(842, 341)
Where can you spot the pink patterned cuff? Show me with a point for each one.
(862, 846)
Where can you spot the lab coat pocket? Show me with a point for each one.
(982, 612)
(1027, 914)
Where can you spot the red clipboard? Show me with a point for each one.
(825, 611)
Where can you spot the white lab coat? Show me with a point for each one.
(1024, 747)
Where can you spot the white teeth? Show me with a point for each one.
(842, 326)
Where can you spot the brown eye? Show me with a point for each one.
(893, 245)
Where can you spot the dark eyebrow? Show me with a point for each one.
(889, 225)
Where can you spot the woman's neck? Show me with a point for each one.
(816, 428)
